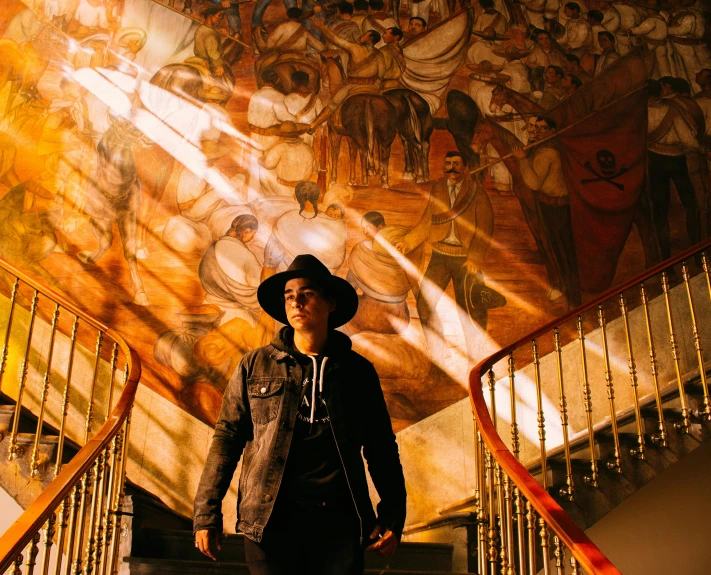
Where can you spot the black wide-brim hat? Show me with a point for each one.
(271, 291)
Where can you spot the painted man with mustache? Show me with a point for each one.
(458, 223)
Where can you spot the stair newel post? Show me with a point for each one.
(574, 569)
(519, 510)
(682, 427)
(697, 343)
(661, 437)
(640, 451)
(616, 464)
(118, 507)
(114, 359)
(13, 450)
(32, 551)
(90, 551)
(492, 534)
(541, 415)
(587, 402)
(8, 329)
(515, 440)
(100, 514)
(65, 397)
(77, 567)
(543, 533)
(48, 542)
(559, 554)
(72, 529)
(61, 533)
(92, 393)
(569, 490)
(531, 531)
(34, 461)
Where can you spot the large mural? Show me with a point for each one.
(474, 170)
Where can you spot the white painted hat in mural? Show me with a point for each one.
(510, 52)
(487, 72)
(215, 94)
(132, 33)
(490, 34)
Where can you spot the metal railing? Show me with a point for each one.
(75, 519)
(522, 528)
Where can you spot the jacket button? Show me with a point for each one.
(263, 390)
(267, 498)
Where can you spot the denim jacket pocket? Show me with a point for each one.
(264, 398)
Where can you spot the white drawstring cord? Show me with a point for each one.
(316, 379)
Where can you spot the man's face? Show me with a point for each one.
(388, 37)
(415, 28)
(531, 129)
(247, 235)
(369, 230)
(544, 41)
(604, 42)
(365, 39)
(213, 20)
(334, 213)
(306, 308)
(542, 130)
(667, 90)
(454, 168)
(567, 83)
(551, 77)
(571, 13)
(702, 78)
(569, 66)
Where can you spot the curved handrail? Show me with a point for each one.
(18, 536)
(582, 548)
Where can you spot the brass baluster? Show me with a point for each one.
(569, 490)
(76, 568)
(110, 400)
(91, 532)
(8, 329)
(515, 439)
(48, 542)
(481, 515)
(13, 450)
(706, 414)
(661, 437)
(100, 525)
(503, 527)
(519, 507)
(639, 452)
(531, 530)
(574, 566)
(61, 533)
(508, 513)
(118, 507)
(545, 546)
(559, 554)
(109, 516)
(34, 461)
(587, 401)
(65, 397)
(32, 552)
(90, 408)
(16, 568)
(683, 427)
(614, 465)
(72, 529)
(492, 395)
(492, 534)
(541, 415)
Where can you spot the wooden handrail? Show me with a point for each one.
(17, 537)
(583, 549)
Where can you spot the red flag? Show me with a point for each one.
(604, 163)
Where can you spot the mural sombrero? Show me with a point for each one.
(487, 72)
(490, 34)
(510, 52)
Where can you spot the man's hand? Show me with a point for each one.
(386, 544)
(225, 3)
(402, 248)
(320, 24)
(219, 71)
(209, 542)
(470, 268)
(518, 152)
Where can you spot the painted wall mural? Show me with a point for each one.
(474, 170)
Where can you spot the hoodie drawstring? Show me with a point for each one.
(316, 380)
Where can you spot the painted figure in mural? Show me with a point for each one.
(378, 20)
(654, 31)
(543, 173)
(291, 35)
(419, 9)
(553, 92)
(609, 54)
(301, 106)
(288, 163)
(209, 49)
(394, 59)
(261, 113)
(578, 38)
(338, 412)
(416, 27)
(687, 26)
(458, 223)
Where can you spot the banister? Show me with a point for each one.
(588, 556)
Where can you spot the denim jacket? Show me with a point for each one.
(256, 422)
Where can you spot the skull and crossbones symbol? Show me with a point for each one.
(608, 164)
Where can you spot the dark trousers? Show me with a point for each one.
(558, 226)
(662, 171)
(441, 270)
(307, 539)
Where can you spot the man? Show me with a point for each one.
(578, 35)
(344, 26)
(261, 112)
(543, 173)
(230, 9)
(629, 17)
(686, 32)
(703, 99)
(208, 43)
(360, 12)
(293, 36)
(458, 223)
(365, 68)
(301, 106)
(595, 18)
(286, 164)
(671, 138)
(544, 54)
(420, 9)
(377, 19)
(515, 68)
(609, 55)
(553, 92)
(653, 30)
(393, 59)
(490, 18)
(416, 27)
(571, 65)
(570, 84)
(304, 410)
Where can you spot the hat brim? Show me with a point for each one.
(479, 70)
(270, 295)
(300, 130)
(495, 79)
(489, 37)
